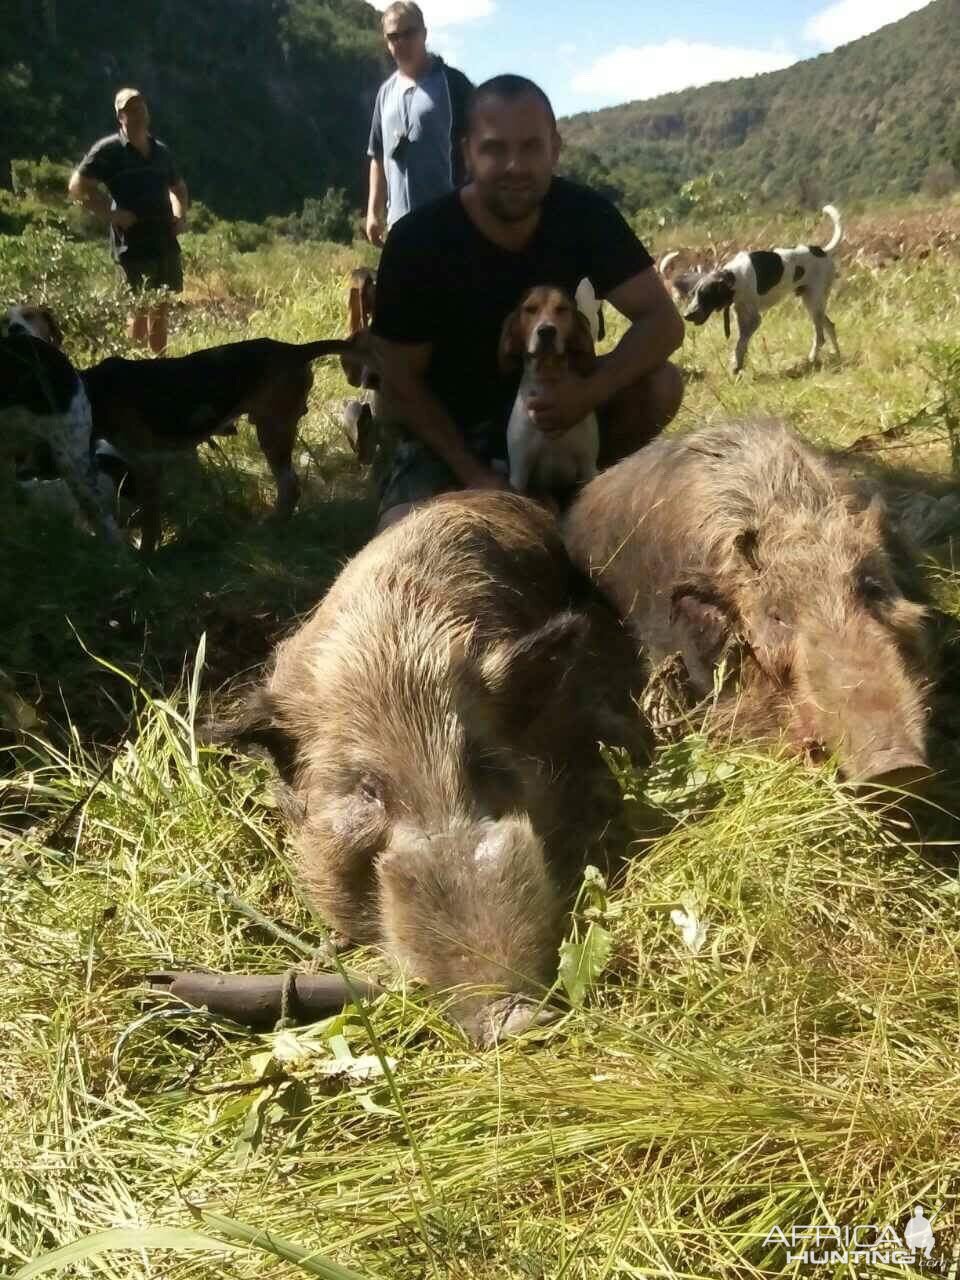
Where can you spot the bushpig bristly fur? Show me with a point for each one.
(435, 723)
(742, 543)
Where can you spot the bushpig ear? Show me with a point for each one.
(524, 674)
(707, 621)
(746, 543)
(253, 723)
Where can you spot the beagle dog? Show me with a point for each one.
(43, 402)
(753, 282)
(545, 335)
(359, 416)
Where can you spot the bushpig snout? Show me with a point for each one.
(473, 906)
(858, 699)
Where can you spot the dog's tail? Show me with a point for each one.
(665, 261)
(834, 215)
(326, 347)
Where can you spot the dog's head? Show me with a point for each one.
(547, 323)
(712, 291)
(685, 283)
(360, 298)
(39, 322)
(361, 294)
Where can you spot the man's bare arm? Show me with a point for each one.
(91, 194)
(403, 368)
(656, 331)
(179, 199)
(377, 202)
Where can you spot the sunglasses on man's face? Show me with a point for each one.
(394, 37)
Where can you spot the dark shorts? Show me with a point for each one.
(406, 470)
(163, 270)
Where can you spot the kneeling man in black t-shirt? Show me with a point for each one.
(454, 269)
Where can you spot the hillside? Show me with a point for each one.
(874, 117)
(264, 101)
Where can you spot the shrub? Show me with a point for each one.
(45, 178)
(939, 180)
(328, 218)
(77, 281)
(244, 237)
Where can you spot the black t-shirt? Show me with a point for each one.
(139, 183)
(441, 281)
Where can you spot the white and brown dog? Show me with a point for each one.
(754, 281)
(548, 334)
(43, 401)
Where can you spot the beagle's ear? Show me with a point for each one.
(56, 333)
(583, 357)
(510, 351)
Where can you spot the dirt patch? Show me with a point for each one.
(872, 240)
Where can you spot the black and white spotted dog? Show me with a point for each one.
(43, 401)
(753, 282)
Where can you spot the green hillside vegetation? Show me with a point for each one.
(264, 104)
(875, 117)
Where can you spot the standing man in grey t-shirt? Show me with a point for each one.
(419, 121)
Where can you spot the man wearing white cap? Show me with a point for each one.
(131, 180)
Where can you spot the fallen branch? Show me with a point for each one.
(259, 1001)
(882, 439)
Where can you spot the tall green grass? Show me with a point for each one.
(793, 1066)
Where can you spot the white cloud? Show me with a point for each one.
(447, 13)
(849, 19)
(631, 72)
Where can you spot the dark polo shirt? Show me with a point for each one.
(441, 281)
(142, 185)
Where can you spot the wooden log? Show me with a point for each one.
(257, 1000)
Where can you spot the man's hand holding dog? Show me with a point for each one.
(563, 404)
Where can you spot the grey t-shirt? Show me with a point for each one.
(413, 134)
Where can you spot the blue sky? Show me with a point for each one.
(595, 53)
